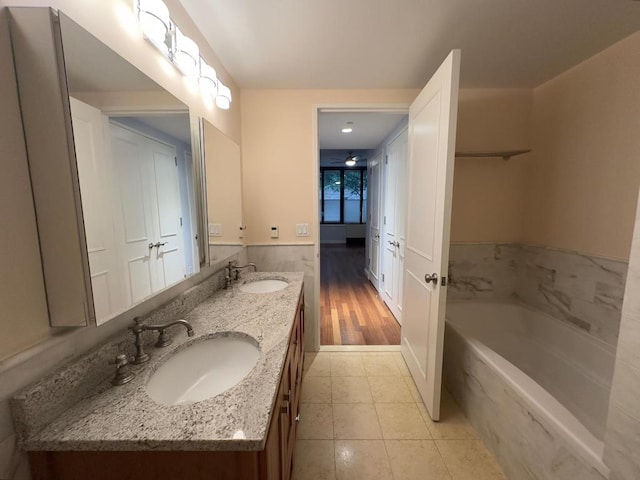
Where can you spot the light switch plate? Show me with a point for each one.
(302, 230)
(275, 231)
(215, 229)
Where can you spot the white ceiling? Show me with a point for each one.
(369, 129)
(400, 43)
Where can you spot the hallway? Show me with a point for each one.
(350, 310)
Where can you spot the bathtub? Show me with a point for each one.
(536, 389)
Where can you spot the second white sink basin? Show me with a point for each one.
(263, 286)
(203, 370)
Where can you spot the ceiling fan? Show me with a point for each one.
(350, 160)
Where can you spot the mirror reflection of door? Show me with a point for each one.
(136, 205)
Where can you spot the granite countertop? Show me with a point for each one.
(125, 418)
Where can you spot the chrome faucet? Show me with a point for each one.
(163, 340)
(233, 271)
(237, 268)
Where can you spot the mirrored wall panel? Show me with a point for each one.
(224, 194)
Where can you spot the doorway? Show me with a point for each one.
(355, 202)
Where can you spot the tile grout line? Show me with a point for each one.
(384, 440)
(446, 465)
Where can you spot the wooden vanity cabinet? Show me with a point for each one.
(275, 462)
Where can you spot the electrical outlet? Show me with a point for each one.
(242, 229)
(275, 231)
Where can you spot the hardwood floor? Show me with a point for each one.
(351, 312)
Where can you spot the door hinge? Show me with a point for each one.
(369, 262)
(384, 222)
(443, 281)
(386, 159)
(180, 221)
(383, 277)
(176, 160)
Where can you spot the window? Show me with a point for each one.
(343, 195)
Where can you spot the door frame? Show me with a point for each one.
(315, 175)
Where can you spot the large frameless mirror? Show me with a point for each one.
(135, 174)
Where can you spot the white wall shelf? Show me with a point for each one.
(505, 154)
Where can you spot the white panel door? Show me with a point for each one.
(432, 129)
(373, 193)
(389, 251)
(94, 170)
(394, 223)
(167, 213)
(132, 171)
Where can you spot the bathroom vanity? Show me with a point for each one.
(76, 426)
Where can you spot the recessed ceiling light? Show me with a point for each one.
(347, 128)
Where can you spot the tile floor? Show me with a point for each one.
(361, 418)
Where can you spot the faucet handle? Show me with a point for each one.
(120, 360)
(137, 326)
(123, 372)
(163, 339)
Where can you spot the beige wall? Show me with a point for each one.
(278, 162)
(583, 180)
(277, 157)
(24, 309)
(488, 193)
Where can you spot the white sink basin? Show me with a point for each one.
(203, 370)
(263, 286)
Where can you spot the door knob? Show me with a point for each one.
(395, 244)
(158, 244)
(431, 278)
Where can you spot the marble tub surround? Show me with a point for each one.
(77, 408)
(526, 444)
(482, 271)
(582, 290)
(622, 438)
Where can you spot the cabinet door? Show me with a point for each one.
(286, 417)
(271, 457)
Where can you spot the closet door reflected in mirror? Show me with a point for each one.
(224, 194)
(128, 172)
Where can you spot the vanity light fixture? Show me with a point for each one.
(208, 79)
(155, 21)
(223, 99)
(348, 128)
(185, 54)
(159, 29)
